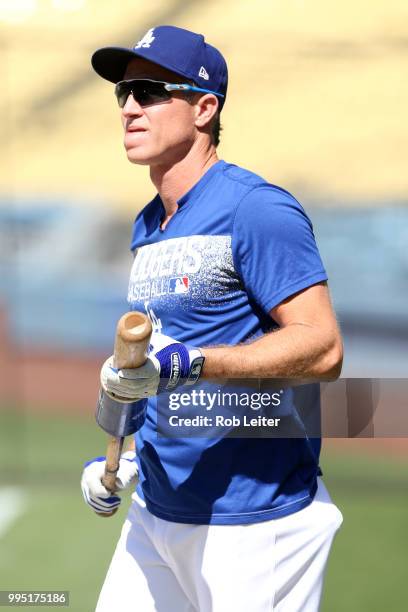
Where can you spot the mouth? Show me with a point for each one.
(134, 136)
(132, 129)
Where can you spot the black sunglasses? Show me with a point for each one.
(147, 91)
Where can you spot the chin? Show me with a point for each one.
(138, 161)
(137, 157)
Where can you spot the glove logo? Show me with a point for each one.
(175, 371)
(195, 370)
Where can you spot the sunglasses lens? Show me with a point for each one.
(144, 92)
(122, 92)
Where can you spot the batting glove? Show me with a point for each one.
(95, 495)
(169, 365)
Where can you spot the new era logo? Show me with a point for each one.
(203, 73)
(146, 41)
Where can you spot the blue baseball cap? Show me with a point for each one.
(176, 49)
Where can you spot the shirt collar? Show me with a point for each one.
(202, 182)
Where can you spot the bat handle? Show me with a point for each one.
(113, 453)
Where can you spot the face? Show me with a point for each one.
(158, 134)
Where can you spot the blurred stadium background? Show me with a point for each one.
(317, 97)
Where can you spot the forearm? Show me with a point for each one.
(297, 351)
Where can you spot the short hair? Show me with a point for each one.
(216, 128)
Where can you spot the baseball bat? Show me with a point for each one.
(132, 339)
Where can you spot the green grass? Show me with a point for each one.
(367, 567)
(58, 543)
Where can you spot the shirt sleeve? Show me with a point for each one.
(273, 246)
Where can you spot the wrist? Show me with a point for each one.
(180, 364)
(197, 360)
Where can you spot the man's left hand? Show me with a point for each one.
(169, 365)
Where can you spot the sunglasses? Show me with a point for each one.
(147, 91)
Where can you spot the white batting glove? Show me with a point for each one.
(95, 495)
(169, 365)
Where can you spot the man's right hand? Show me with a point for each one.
(95, 494)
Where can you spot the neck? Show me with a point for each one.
(173, 181)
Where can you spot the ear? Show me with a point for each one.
(205, 109)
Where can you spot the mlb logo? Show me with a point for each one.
(179, 284)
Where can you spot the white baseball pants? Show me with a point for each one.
(276, 565)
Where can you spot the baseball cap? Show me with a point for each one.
(176, 49)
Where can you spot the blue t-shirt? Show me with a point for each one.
(236, 247)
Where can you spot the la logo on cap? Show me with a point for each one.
(146, 41)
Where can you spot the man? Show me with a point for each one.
(227, 268)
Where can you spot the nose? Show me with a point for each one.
(132, 108)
